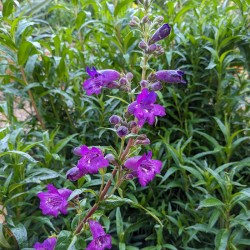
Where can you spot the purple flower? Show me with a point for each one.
(48, 244)
(74, 174)
(115, 119)
(144, 167)
(101, 240)
(160, 34)
(99, 79)
(144, 108)
(92, 159)
(54, 201)
(170, 76)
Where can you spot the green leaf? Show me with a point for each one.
(25, 50)
(8, 7)
(119, 225)
(59, 146)
(66, 241)
(3, 242)
(221, 239)
(210, 202)
(25, 155)
(20, 235)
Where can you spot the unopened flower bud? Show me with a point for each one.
(112, 85)
(132, 23)
(158, 19)
(156, 86)
(123, 81)
(110, 158)
(142, 45)
(122, 131)
(142, 142)
(152, 48)
(145, 19)
(160, 34)
(132, 124)
(142, 137)
(144, 83)
(115, 119)
(117, 126)
(77, 151)
(74, 174)
(129, 76)
(124, 124)
(128, 177)
(151, 77)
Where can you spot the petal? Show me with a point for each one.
(109, 75)
(96, 229)
(132, 107)
(145, 175)
(52, 188)
(92, 72)
(100, 243)
(65, 193)
(132, 163)
(159, 110)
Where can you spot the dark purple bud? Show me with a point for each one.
(128, 176)
(74, 174)
(123, 81)
(122, 131)
(129, 76)
(115, 119)
(142, 45)
(142, 142)
(170, 76)
(132, 124)
(151, 77)
(110, 158)
(142, 137)
(112, 85)
(124, 124)
(144, 83)
(159, 52)
(132, 23)
(145, 19)
(156, 86)
(152, 48)
(158, 19)
(77, 151)
(160, 34)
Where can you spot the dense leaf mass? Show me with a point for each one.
(200, 196)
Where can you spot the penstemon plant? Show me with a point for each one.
(125, 161)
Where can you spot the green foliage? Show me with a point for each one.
(201, 198)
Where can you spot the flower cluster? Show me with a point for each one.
(143, 109)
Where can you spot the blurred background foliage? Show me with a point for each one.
(202, 195)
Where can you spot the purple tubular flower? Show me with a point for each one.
(101, 240)
(144, 108)
(92, 159)
(99, 79)
(144, 167)
(160, 34)
(54, 201)
(170, 76)
(48, 244)
(74, 174)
